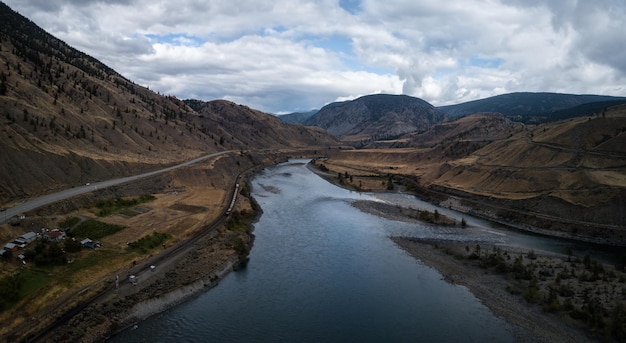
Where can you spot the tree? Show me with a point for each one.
(72, 245)
(390, 183)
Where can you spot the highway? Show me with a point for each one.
(8, 213)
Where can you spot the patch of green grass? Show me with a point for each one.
(95, 229)
(34, 279)
(145, 244)
(108, 207)
(94, 258)
(16, 287)
(69, 222)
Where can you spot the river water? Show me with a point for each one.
(323, 271)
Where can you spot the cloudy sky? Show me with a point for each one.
(289, 55)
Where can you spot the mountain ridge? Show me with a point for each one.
(68, 119)
(534, 106)
(375, 116)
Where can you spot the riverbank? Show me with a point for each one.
(529, 322)
(545, 297)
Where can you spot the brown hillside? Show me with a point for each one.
(67, 119)
(565, 176)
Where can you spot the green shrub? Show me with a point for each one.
(147, 243)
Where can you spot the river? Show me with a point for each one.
(323, 271)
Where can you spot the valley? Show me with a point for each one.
(147, 180)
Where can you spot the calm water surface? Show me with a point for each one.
(323, 271)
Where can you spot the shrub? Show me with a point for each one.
(147, 243)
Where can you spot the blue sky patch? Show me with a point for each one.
(351, 6)
(480, 62)
(176, 39)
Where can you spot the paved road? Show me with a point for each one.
(29, 205)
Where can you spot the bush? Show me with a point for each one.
(72, 245)
(147, 243)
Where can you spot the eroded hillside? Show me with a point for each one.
(67, 119)
(567, 176)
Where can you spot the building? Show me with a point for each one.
(54, 235)
(29, 237)
(11, 247)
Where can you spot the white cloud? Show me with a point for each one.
(285, 55)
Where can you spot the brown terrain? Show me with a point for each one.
(566, 178)
(68, 120)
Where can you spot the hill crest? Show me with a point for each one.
(376, 116)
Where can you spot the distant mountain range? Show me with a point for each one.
(536, 107)
(382, 115)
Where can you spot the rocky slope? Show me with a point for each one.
(376, 117)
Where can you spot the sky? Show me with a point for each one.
(291, 56)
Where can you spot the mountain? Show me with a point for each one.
(376, 116)
(297, 117)
(68, 119)
(536, 107)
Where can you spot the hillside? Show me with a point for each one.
(536, 107)
(297, 117)
(566, 177)
(68, 119)
(376, 117)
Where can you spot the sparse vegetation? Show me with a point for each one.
(147, 243)
(594, 298)
(108, 207)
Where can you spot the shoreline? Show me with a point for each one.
(553, 302)
(528, 322)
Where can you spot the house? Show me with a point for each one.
(54, 235)
(28, 237)
(87, 243)
(3, 253)
(11, 247)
